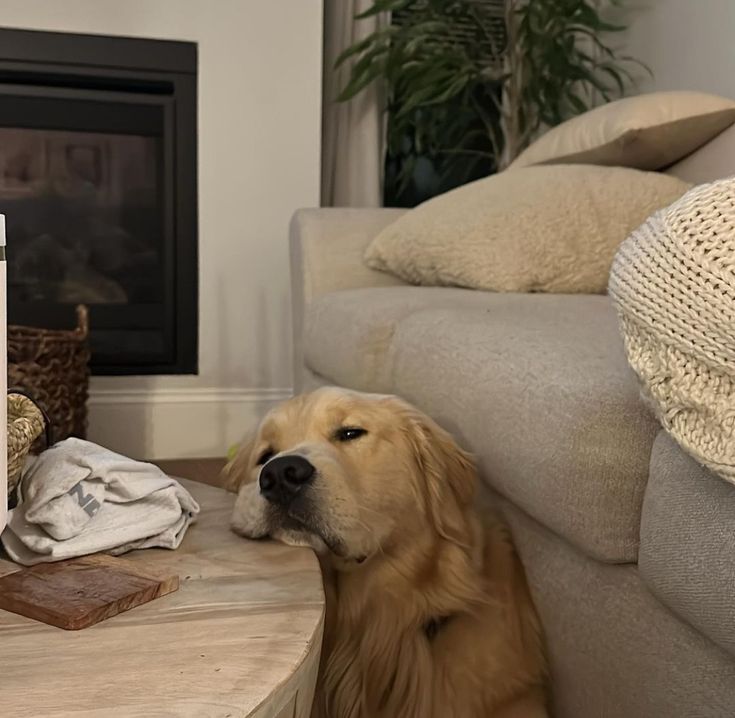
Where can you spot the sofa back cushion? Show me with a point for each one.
(713, 161)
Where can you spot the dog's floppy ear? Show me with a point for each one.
(235, 472)
(450, 474)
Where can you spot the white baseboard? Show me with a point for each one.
(173, 423)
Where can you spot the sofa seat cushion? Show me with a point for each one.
(348, 334)
(614, 651)
(687, 552)
(537, 386)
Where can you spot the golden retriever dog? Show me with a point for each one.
(428, 611)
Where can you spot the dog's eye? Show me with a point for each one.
(265, 457)
(349, 433)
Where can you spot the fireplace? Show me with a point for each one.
(98, 185)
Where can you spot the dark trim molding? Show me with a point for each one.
(120, 53)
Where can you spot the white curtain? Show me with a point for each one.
(353, 133)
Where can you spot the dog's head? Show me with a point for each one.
(351, 474)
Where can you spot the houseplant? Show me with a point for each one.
(471, 82)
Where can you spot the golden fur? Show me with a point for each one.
(428, 611)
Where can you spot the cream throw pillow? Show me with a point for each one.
(647, 132)
(673, 284)
(547, 229)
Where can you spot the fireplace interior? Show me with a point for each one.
(98, 185)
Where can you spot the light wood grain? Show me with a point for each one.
(204, 471)
(239, 639)
(80, 592)
(7, 567)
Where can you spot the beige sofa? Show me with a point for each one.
(629, 545)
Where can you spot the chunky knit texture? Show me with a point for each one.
(673, 281)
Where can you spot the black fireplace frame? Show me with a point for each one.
(163, 72)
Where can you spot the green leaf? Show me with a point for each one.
(356, 49)
(616, 75)
(577, 103)
(588, 15)
(369, 68)
(639, 63)
(383, 6)
(445, 68)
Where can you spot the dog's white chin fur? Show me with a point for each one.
(249, 519)
(249, 515)
(294, 538)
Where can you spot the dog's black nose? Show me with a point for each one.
(283, 477)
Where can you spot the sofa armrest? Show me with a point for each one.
(327, 246)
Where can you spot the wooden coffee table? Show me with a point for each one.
(241, 637)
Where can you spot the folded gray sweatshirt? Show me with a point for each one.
(77, 498)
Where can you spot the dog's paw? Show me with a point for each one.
(249, 516)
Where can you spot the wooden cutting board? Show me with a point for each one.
(80, 592)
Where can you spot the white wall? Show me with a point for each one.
(689, 44)
(259, 147)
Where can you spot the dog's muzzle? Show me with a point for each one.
(282, 478)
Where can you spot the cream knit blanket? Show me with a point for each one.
(673, 282)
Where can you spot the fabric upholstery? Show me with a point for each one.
(647, 131)
(615, 651)
(548, 229)
(348, 335)
(687, 553)
(537, 386)
(673, 282)
(326, 248)
(712, 161)
(311, 381)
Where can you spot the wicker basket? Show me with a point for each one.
(26, 424)
(52, 366)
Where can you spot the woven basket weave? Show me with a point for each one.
(26, 423)
(52, 366)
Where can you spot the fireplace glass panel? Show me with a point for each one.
(85, 214)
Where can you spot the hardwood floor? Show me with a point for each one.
(205, 471)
